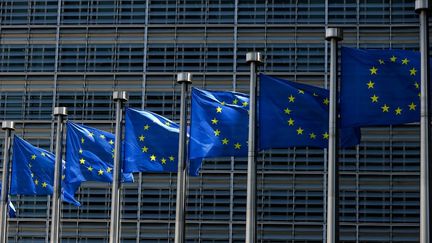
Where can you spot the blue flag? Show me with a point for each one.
(379, 87)
(33, 171)
(219, 124)
(151, 144)
(11, 208)
(293, 114)
(89, 156)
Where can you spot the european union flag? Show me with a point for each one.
(379, 87)
(293, 114)
(11, 208)
(151, 143)
(89, 156)
(219, 124)
(33, 171)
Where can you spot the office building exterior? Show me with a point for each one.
(75, 53)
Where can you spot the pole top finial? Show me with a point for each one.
(60, 111)
(334, 33)
(254, 57)
(120, 95)
(184, 78)
(8, 125)
(422, 5)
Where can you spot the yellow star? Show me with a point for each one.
(373, 70)
(163, 160)
(216, 132)
(417, 85)
(43, 154)
(291, 98)
(314, 94)
(144, 149)
(82, 140)
(405, 61)
(111, 142)
(80, 151)
(44, 184)
(412, 106)
(223, 103)
(168, 123)
(393, 59)
(82, 161)
(63, 177)
(235, 101)
(90, 168)
(326, 101)
(153, 158)
(299, 131)
(237, 146)
(287, 111)
(381, 61)
(300, 91)
(419, 94)
(219, 109)
(141, 138)
(326, 135)
(244, 104)
(146, 127)
(109, 170)
(102, 136)
(225, 141)
(374, 98)
(36, 182)
(413, 71)
(33, 157)
(30, 165)
(370, 84)
(91, 135)
(100, 172)
(385, 108)
(171, 158)
(398, 111)
(290, 122)
(214, 121)
(312, 135)
(32, 175)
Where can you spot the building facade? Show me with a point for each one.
(75, 53)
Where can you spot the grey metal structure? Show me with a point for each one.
(184, 79)
(8, 127)
(423, 8)
(75, 53)
(119, 98)
(59, 113)
(254, 59)
(333, 35)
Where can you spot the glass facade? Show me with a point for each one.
(75, 53)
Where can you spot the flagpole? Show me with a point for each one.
(119, 98)
(254, 59)
(422, 7)
(184, 79)
(333, 35)
(60, 113)
(8, 127)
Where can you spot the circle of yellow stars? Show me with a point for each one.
(218, 133)
(374, 70)
(86, 164)
(146, 150)
(292, 123)
(35, 179)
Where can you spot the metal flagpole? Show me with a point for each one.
(254, 59)
(119, 97)
(8, 126)
(333, 35)
(60, 113)
(422, 8)
(184, 79)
